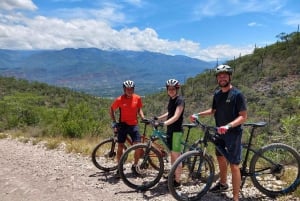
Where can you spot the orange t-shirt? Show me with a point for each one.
(128, 108)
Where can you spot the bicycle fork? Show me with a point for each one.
(112, 152)
(195, 168)
(146, 156)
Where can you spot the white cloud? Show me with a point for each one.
(17, 4)
(108, 14)
(235, 7)
(254, 24)
(82, 28)
(20, 32)
(292, 19)
(220, 52)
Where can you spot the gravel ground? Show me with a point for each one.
(33, 173)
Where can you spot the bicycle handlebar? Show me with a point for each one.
(155, 123)
(211, 134)
(256, 124)
(146, 121)
(252, 124)
(204, 126)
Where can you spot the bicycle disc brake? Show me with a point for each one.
(142, 169)
(110, 154)
(278, 171)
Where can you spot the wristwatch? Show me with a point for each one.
(229, 126)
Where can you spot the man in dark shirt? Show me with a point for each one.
(230, 111)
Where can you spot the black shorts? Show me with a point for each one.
(125, 129)
(231, 143)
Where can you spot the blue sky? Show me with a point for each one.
(203, 29)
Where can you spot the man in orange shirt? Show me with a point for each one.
(130, 106)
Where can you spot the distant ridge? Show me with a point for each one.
(99, 72)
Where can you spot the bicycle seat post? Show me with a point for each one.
(248, 148)
(251, 135)
(243, 169)
(253, 127)
(186, 138)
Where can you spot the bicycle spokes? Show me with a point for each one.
(104, 155)
(196, 176)
(276, 170)
(146, 172)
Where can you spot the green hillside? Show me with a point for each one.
(51, 111)
(269, 78)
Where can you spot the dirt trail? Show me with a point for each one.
(33, 173)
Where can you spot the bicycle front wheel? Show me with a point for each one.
(147, 172)
(275, 169)
(104, 155)
(197, 176)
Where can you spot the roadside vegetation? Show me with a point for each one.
(269, 78)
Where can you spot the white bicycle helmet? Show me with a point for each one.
(223, 69)
(172, 83)
(128, 84)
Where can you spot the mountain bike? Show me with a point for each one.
(153, 160)
(274, 169)
(104, 154)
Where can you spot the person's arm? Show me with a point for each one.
(175, 117)
(141, 113)
(112, 114)
(239, 120)
(163, 116)
(206, 112)
(236, 122)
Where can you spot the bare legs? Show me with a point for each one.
(236, 176)
(174, 156)
(120, 151)
(236, 181)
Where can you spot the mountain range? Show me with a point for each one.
(99, 72)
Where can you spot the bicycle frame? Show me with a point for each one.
(160, 135)
(106, 150)
(274, 168)
(244, 172)
(151, 159)
(208, 137)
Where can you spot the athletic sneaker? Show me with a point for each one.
(176, 184)
(117, 175)
(133, 170)
(219, 188)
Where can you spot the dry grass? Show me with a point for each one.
(83, 146)
(35, 135)
(3, 135)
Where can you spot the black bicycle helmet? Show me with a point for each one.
(128, 84)
(223, 69)
(172, 83)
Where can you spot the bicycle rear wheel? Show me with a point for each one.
(147, 172)
(275, 169)
(104, 155)
(196, 177)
